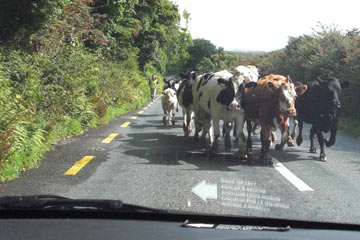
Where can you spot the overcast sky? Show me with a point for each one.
(265, 25)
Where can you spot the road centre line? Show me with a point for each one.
(134, 117)
(286, 173)
(78, 166)
(140, 112)
(125, 124)
(109, 138)
(145, 108)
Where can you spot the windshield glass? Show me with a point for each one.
(222, 107)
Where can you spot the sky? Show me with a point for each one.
(265, 25)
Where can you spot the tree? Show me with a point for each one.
(201, 49)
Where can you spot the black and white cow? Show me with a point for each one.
(217, 96)
(320, 106)
(185, 99)
(172, 83)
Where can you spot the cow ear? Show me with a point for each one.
(222, 82)
(251, 85)
(271, 86)
(344, 84)
(194, 74)
(300, 89)
(289, 79)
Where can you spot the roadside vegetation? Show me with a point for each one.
(69, 65)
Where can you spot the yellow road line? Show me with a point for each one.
(109, 138)
(125, 124)
(140, 112)
(134, 117)
(145, 108)
(78, 165)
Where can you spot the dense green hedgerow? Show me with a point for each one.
(67, 65)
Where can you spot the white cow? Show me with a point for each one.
(169, 105)
(217, 96)
(249, 72)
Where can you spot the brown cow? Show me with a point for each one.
(270, 104)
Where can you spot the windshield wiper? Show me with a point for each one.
(54, 202)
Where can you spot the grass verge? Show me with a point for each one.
(349, 126)
(31, 157)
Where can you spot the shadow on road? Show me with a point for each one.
(171, 149)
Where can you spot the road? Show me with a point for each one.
(149, 164)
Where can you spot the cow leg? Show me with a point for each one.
(293, 134)
(164, 117)
(290, 141)
(249, 141)
(168, 117)
(227, 129)
(299, 138)
(284, 128)
(188, 122)
(320, 136)
(333, 131)
(312, 147)
(173, 117)
(262, 145)
(234, 132)
(239, 123)
(198, 128)
(216, 129)
(185, 122)
(265, 145)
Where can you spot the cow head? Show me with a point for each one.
(285, 95)
(330, 91)
(246, 73)
(232, 93)
(170, 95)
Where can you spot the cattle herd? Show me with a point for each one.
(239, 97)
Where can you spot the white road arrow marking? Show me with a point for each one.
(205, 191)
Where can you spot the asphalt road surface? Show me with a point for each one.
(150, 164)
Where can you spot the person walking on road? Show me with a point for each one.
(153, 82)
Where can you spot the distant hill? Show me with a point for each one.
(244, 52)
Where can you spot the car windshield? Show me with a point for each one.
(245, 108)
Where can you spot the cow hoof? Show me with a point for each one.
(227, 142)
(290, 143)
(322, 158)
(312, 150)
(299, 141)
(243, 156)
(214, 148)
(278, 147)
(164, 121)
(173, 122)
(196, 137)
